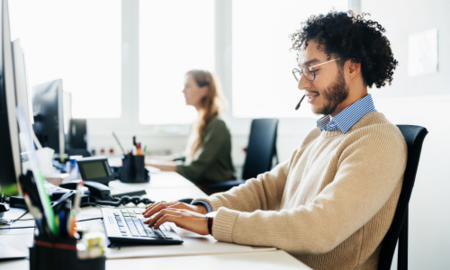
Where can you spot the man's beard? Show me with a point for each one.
(334, 94)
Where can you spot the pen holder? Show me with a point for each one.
(60, 253)
(133, 169)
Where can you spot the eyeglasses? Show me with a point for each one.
(308, 71)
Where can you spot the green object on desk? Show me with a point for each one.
(145, 148)
(49, 215)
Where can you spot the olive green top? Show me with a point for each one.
(212, 162)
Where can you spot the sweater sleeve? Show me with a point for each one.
(263, 192)
(215, 135)
(369, 170)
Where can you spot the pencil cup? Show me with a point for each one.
(133, 169)
(58, 253)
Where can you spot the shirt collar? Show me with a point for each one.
(346, 119)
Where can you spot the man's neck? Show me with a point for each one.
(354, 94)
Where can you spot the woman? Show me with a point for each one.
(208, 154)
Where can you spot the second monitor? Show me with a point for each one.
(49, 115)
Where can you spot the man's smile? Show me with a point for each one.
(312, 95)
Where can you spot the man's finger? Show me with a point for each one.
(165, 218)
(158, 207)
(151, 222)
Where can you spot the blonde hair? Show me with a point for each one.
(213, 104)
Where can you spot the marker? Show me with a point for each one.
(145, 148)
(34, 211)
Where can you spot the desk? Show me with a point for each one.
(190, 255)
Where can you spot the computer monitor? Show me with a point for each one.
(23, 96)
(48, 109)
(10, 162)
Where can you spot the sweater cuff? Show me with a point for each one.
(223, 225)
(205, 204)
(212, 201)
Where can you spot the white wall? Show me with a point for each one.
(174, 138)
(421, 101)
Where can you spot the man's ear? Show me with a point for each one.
(354, 68)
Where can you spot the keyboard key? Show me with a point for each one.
(123, 230)
(131, 226)
(138, 212)
(120, 223)
(163, 228)
(116, 214)
(139, 227)
(125, 214)
(158, 232)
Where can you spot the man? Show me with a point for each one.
(331, 203)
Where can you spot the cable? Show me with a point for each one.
(117, 201)
(89, 219)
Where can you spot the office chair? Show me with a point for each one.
(414, 136)
(261, 150)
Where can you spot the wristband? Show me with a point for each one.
(210, 223)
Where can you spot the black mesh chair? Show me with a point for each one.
(261, 150)
(414, 136)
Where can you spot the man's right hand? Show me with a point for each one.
(154, 208)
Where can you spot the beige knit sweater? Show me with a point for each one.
(329, 205)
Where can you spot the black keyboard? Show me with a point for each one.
(126, 226)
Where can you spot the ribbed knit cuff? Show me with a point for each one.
(205, 204)
(222, 228)
(212, 200)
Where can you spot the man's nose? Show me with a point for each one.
(303, 83)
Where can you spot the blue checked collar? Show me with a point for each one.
(346, 119)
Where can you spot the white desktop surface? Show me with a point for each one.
(267, 260)
(158, 180)
(194, 244)
(197, 252)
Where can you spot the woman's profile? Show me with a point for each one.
(208, 152)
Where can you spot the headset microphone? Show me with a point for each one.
(298, 105)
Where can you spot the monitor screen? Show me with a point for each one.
(94, 170)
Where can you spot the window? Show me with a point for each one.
(263, 85)
(174, 37)
(78, 41)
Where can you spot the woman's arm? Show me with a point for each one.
(164, 165)
(215, 136)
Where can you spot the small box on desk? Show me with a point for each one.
(59, 253)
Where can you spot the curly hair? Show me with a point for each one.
(350, 36)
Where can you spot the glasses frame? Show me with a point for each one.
(310, 67)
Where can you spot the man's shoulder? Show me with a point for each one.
(375, 124)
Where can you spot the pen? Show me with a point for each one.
(75, 208)
(145, 148)
(62, 224)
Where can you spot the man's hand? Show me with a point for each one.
(183, 218)
(152, 209)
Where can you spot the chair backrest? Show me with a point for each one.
(414, 137)
(261, 147)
